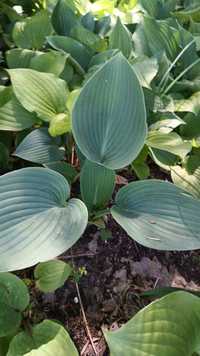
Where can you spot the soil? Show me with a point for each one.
(118, 270)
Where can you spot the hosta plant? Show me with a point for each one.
(88, 91)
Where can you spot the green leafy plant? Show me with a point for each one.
(89, 90)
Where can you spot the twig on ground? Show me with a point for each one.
(83, 314)
(78, 255)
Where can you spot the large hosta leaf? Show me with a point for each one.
(32, 32)
(159, 215)
(168, 327)
(14, 299)
(39, 92)
(109, 118)
(39, 147)
(47, 338)
(37, 223)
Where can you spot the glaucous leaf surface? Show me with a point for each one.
(51, 275)
(14, 299)
(97, 184)
(48, 338)
(63, 18)
(120, 38)
(39, 147)
(146, 69)
(109, 117)
(163, 159)
(73, 47)
(158, 215)
(167, 327)
(38, 221)
(39, 92)
(64, 168)
(32, 32)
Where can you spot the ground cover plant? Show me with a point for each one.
(92, 94)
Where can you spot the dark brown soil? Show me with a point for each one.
(111, 289)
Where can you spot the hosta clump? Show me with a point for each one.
(109, 127)
(83, 97)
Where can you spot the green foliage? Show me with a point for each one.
(32, 32)
(88, 88)
(39, 92)
(39, 147)
(97, 184)
(14, 299)
(51, 275)
(106, 120)
(39, 222)
(160, 329)
(47, 337)
(158, 214)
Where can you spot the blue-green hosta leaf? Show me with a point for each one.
(32, 32)
(159, 215)
(160, 37)
(14, 299)
(109, 118)
(39, 147)
(164, 159)
(189, 181)
(91, 40)
(120, 38)
(167, 327)
(47, 338)
(13, 117)
(39, 92)
(68, 45)
(63, 18)
(64, 168)
(170, 142)
(51, 275)
(191, 104)
(97, 185)
(88, 21)
(146, 69)
(37, 224)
